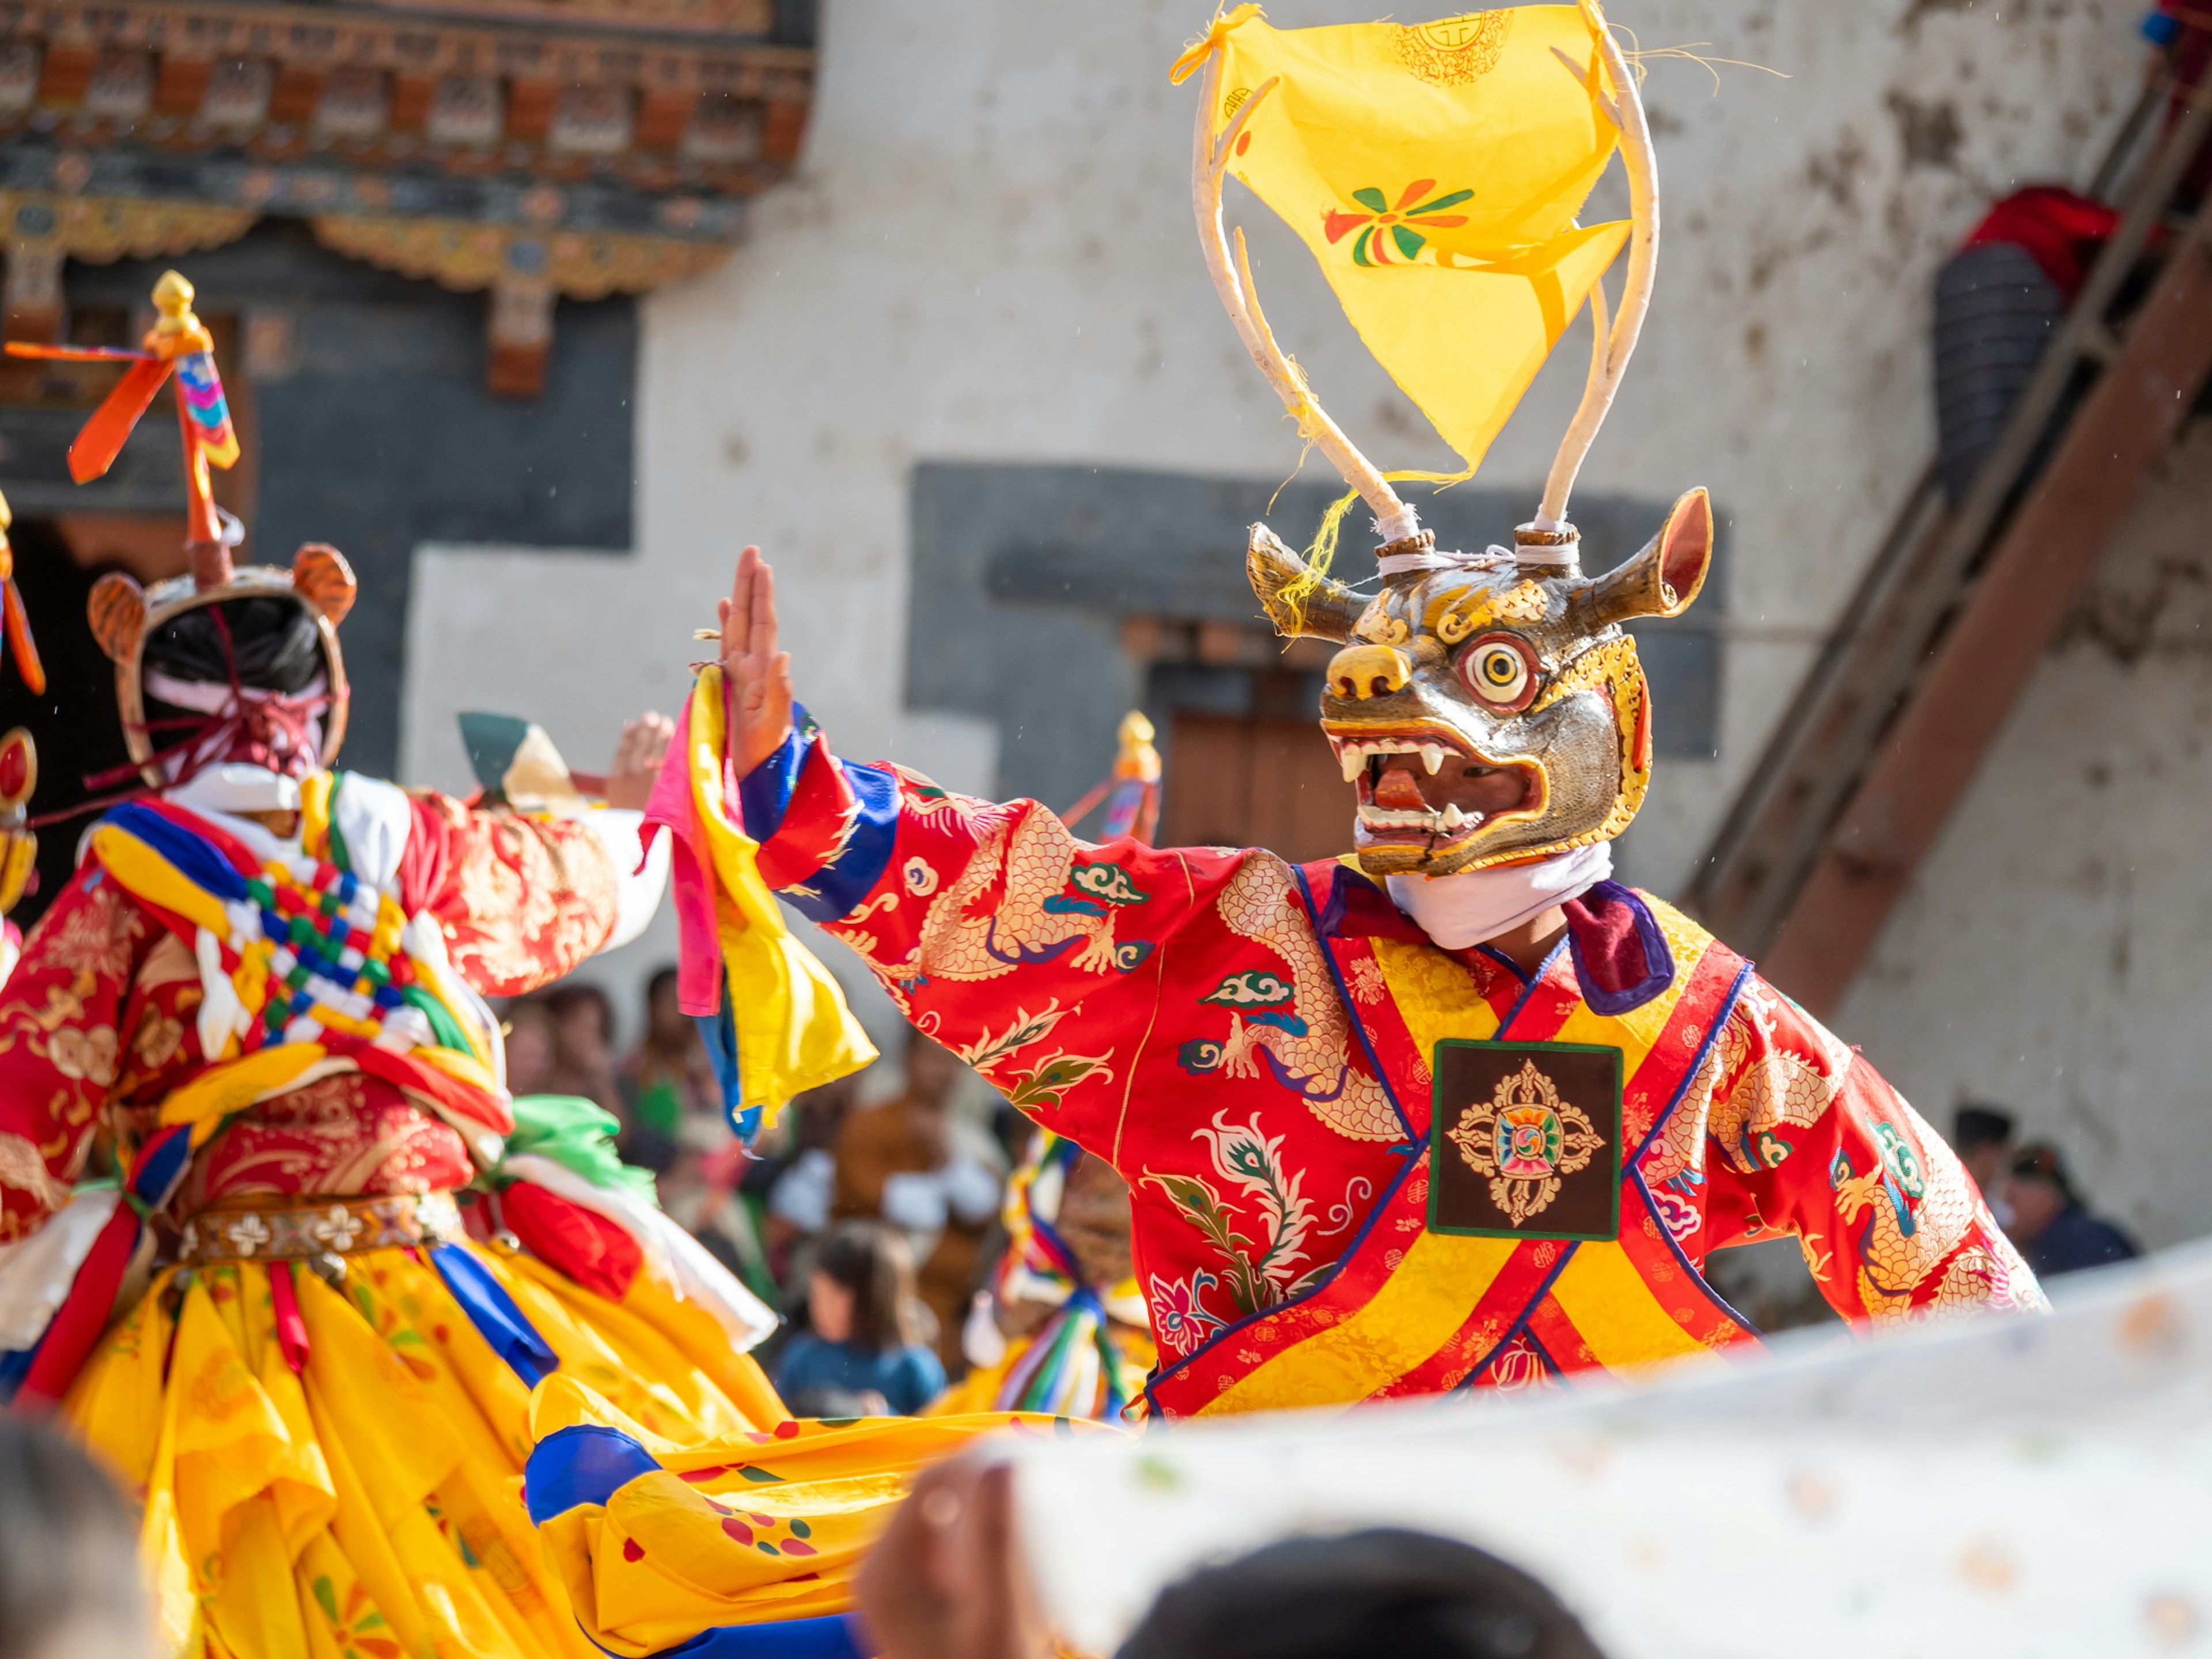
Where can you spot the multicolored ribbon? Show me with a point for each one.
(300, 962)
(1073, 1366)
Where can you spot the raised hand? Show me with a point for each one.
(758, 675)
(637, 760)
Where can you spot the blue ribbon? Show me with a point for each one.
(493, 1312)
(194, 856)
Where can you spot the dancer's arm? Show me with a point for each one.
(62, 1041)
(1037, 957)
(523, 898)
(1809, 1139)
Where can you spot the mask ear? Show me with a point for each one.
(1665, 575)
(117, 610)
(321, 576)
(1325, 612)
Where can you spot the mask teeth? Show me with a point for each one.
(1450, 820)
(1353, 754)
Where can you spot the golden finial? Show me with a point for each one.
(179, 330)
(1137, 757)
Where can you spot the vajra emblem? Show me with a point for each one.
(1523, 1140)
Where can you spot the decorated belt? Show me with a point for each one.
(324, 1226)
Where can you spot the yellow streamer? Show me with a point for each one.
(143, 871)
(215, 1094)
(795, 1031)
(315, 813)
(1323, 553)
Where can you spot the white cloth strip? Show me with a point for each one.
(234, 786)
(641, 877)
(1400, 525)
(213, 697)
(1569, 553)
(374, 819)
(675, 1259)
(1474, 905)
(36, 1272)
(1401, 564)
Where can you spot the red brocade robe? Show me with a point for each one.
(97, 1024)
(1250, 1044)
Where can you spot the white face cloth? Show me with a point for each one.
(237, 786)
(1457, 911)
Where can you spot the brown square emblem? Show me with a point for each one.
(1524, 1140)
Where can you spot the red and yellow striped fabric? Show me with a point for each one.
(1414, 1312)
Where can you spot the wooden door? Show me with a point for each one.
(1241, 782)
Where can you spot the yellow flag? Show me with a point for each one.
(1435, 170)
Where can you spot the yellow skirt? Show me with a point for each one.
(740, 1530)
(369, 1506)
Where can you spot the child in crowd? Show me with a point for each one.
(862, 1357)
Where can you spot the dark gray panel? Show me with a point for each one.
(1023, 572)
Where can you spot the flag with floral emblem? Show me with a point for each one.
(1436, 170)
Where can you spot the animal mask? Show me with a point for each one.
(1489, 710)
(124, 615)
(1490, 707)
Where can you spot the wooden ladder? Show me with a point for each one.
(1946, 628)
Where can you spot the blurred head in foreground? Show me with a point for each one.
(70, 1584)
(1386, 1594)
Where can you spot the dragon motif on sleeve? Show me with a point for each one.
(1052, 904)
(1297, 1028)
(1917, 1210)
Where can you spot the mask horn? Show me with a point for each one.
(117, 610)
(1612, 346)
(321, 576)
(1324, 611)
(1665, 575)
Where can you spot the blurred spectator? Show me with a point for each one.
(667, 1077)
(2180, 33)
(901, 1161)
(583, 1051)
(2051, 1224)
(947, 1581)
(860, 1302)
(1063, 1328)
(70, 1587)
(1981, 1134)
(529, 1047)
(798, 1184)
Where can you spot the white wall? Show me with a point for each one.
(2055, 952)
(989, 255)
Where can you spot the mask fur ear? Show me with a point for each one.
(1324, 612)
(1667, 573)
(117, 610)
(321, 576)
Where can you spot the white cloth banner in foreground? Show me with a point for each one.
(2006, 1486)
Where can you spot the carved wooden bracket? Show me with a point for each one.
(532, 148)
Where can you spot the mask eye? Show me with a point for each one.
(1500, 669)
